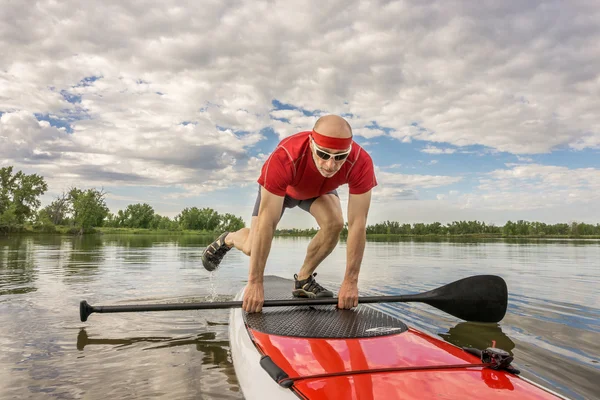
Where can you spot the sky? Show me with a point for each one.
(484, 111)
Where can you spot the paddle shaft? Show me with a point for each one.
(481, 298)
(235, 304)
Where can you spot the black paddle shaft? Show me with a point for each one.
(481, 298)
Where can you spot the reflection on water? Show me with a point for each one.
(140, 241)
(551, 326)
(85, 255)
(83, 340)
(17, 272)
(482, 241)
(215, 352)
(479, 336)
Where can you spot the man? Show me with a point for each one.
(305, 170)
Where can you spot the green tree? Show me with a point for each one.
(436, 228)
(9, 216)
(199, 219)
(19, 194)
(59, 209)
(189, 218)
(110, 221)
(137, 216)
(89, 207)
(419, 229)
(162, 222)
(231, 223)
(43, 222)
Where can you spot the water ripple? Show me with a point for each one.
(551, 326)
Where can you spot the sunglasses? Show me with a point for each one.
(323, 155)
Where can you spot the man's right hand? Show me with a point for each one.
(254, 297)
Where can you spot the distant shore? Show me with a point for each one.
(67, 230)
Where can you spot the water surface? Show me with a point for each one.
(552, 326)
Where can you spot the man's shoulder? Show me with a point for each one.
(293, 145)
(294, 139)
(359, 153)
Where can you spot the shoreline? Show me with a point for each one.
(64, 230)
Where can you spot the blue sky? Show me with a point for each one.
(486, 113)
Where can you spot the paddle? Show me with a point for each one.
(481, 298)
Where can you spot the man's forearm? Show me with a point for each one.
(355, 248)
(261, 246)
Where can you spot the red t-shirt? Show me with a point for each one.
(291, 170)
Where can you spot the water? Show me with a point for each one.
(552, 326)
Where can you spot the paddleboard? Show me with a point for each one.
(320, 352)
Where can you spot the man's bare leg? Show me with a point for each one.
(242, 239)
(327, 210)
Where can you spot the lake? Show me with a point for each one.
(552, 326)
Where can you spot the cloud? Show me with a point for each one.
(534, 186)
(436, 150)
(170, 93)
(391, 166)
(194, 155)
(393, 185)
(22, 136)
(524, 159)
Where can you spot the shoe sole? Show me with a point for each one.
(305, 294)
(211, 267)
(208, 265)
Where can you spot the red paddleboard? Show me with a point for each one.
(320, 352)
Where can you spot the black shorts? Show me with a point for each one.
(289, 202)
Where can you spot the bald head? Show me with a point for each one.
(333, 126)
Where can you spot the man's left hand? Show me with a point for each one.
(348, 296)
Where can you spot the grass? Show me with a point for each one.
(30, 229)
(69, 230)
(480, 236)
(145, 231)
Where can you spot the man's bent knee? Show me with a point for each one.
(333, 227)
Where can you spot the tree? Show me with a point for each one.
(160, 222)
(110, 220)
(9, 216)
(89, 207)
(58, 210)
(196, 219)
(137, 216)
(19, 194)
(230, 223)
(43, 222)
(189, 218)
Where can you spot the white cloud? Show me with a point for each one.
(393, 185)
(23, 136)
(153, 156)
(466, 75)
(534, 186)
(368, 133)
(436, 150)
(391, 166)
(498, 76)
(415, 181)
(524, 159)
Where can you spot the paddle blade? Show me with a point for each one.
(85, 310)
(480, 298)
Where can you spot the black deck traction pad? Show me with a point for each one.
(318, 321)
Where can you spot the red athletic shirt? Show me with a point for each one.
(291, 170)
